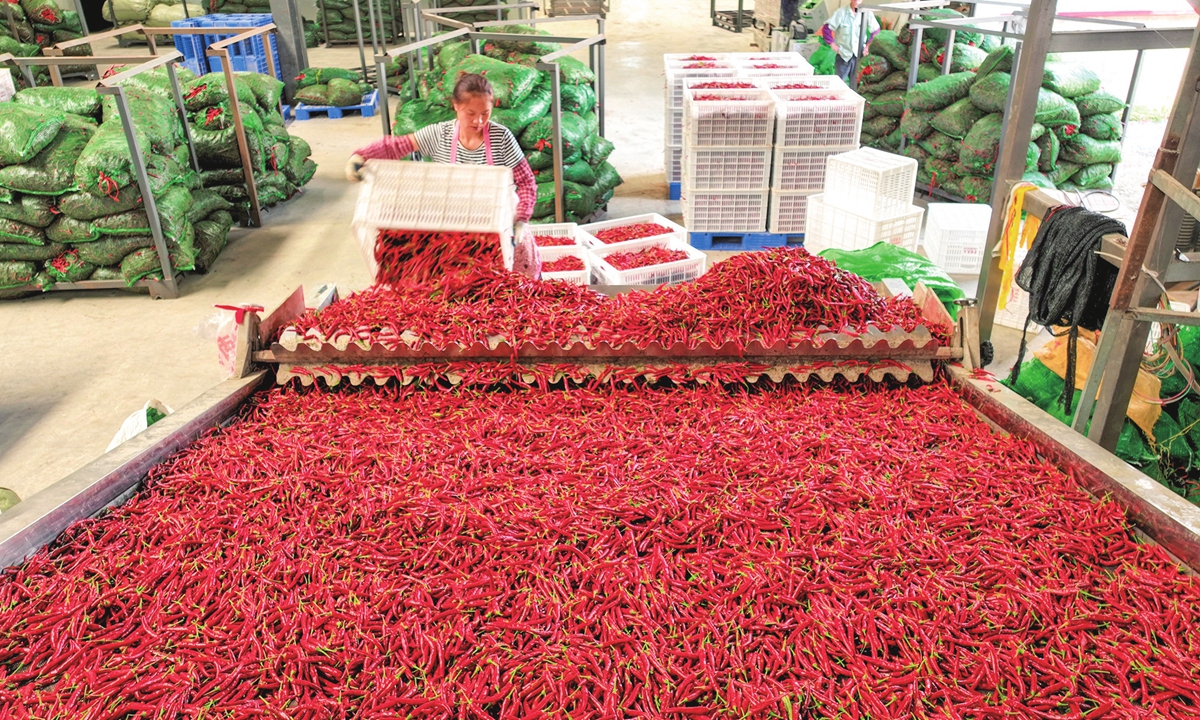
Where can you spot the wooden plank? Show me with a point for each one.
(1178, 193)
(1170, 520)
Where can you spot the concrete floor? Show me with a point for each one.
(76, 364)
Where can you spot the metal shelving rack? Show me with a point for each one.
(418, 55)
(731, 20)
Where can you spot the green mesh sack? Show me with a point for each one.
(204, 203)
(941, 146)
(1039, 179)
(1085, 150)
(990, 93)
(598, 149)
(1099, 103)
(574, 72)
(158, 83)
(578, 99)
(297, 160)
(220, 117)
(1106, 126)
(535, 105)
(1037, 131)
(451, 54)
(916, 152)
(888, 45)
(314, 95)
(523, 46)
(140, 264)
(105, 164)
(958, 119)
(17, 273)
(1070, 80)
(1098, 183)
(607, 177)
(26, 130)
(539, 160)
(1054, 109)
(939, 35)
(545, 200)
(210, 90)
(540, 134)
(965, 58)
(67, 229)
(33, 253)
(1036, 383)
(976, 188)
(580, 172)
(997, 60)
(211, 237)
(133, 222)
(74, 100)
(110, 249)
(884, 260)
(940, 92)
(343, 93)
(52, 171)
(35, 210)
(1092, 174)
(916, 124)
(69, 267)
(1170, 440)
(1048, 150)
(416, 114)
(895, 81)
(155, 119)
(881, 125)
(873, 67)
(579, 199)
(980, 146)
(86, 206)
(890, 104)
(1062, 172)
(219, 148)
(1032, 154)
(267, 90)
(12, 231)
(510, 83)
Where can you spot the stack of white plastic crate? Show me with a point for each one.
(679, 68)
(867, 199)
(814, 122)
(727, 159)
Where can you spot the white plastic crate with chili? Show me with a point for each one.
(729, 118)
(676, 76)
(690, 268)
(812, 118)
(557, 252)
(587, 233)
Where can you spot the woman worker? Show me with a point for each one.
(471, 139)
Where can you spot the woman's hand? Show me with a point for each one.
(354, 168)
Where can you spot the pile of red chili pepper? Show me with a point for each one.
(567, 263)
(426, 259)
(700, 57)
(719, 98)
(634, 231)
(553, 240)
(798, 86)
(644, 258)
(728, 85)
(812, 97)
(700, 66)
(773, 296)
(602, 552)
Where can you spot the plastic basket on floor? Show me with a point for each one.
(802, 169)
(746, 169)
(832, 227)
(674, 272)
(559, 230)
(789, 212)
(955, 236)
(399, 195)
(676, 76)
(579, 277)
(728, 212)
(871, 182)
(729, 118)
(673, 164)
(673, 132)
(587, 233)
(810, 118)
(246, 56)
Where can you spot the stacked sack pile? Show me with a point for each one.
(951, 123)
(469, 16)
(339, 19)
(330, 86)
(523, 99)
(70, 205)
(281, 161)
(161, 13)
(312, 33)
(40, 24)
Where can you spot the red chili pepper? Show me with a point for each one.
(727, 98)
(567, 263)
(553, 240)
(723, 85)
(797, 86)
(644, 258)
(636, 231)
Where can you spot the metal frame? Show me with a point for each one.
(742, 18)
(168, 287)
(548, 63)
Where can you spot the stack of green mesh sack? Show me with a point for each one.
(39, 24)
(281, 162)
(952, 123)
(339, 18)
(523, 99)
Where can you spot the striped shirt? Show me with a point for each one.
(435, 142)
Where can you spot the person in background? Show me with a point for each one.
(470, 139)
(843, 33)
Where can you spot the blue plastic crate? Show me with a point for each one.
(744, 241)
(676, 190)
(246, 56)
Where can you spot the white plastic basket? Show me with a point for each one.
(955, 236)
(696, 83)
(738, 168)
(674, 272)
(760, 71)
(673, 132)
(676, 58)
(787, 59)
(399, 195)
(789, 212)
(570, 230)
(818, 82)
(673, 164)
(802, 169)
(832, 227)
(813, 123)
(871, 182)
(676, 76)
(730, 212)
(589, 239)
(740, 118)
(579, 277)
